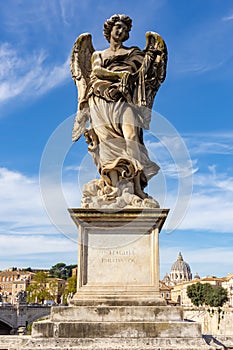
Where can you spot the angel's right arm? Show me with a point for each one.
(104, 73)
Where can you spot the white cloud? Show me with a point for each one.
(20, 199)
(28, 75)
(211, 204)
(27, 236)
(173, 156)
(228, 18)
(53, 77)
(38, 251)
(215, 181)
(24, 245)
(179, 171)
(209, 212)
(22, 210)
(211, 145)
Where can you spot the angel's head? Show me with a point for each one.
(110, 23)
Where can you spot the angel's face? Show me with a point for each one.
(119, 31)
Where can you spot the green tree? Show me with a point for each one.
(206, 291)
(195, 293)
(206, 294)
(28, 269)
(58, 270)
(71, 285)
(37, 290)
(61, 270)
(71, 288)
(217, 297)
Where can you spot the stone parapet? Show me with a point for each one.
(28, 343)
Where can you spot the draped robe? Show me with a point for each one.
(108, 101)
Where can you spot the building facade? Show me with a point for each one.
(179, 291)
(228, 285)
(13, 281)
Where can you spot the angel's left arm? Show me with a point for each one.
(104, 73)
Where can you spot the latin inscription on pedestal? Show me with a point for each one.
(119, 259)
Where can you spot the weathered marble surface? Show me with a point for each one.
(118, 327)
(29, 343)
(118, 257)
(113, 328)
(215, 321)
(116, 90)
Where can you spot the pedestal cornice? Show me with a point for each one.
(153, 218)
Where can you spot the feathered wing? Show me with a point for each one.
(80, 66)
(150, 75)
(156, 57)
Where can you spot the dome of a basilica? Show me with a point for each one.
(180, 270)
(181, 265)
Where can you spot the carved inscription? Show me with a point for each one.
(113, 256)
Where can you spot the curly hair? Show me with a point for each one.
(109, 24)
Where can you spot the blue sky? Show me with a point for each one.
(194, 105)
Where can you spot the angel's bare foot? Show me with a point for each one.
(140, 193)
(138, 189)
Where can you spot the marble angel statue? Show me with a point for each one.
(116, 90)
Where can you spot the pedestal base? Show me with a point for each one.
(108, 328)
(116, 322)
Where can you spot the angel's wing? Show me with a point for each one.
(80, 66)
(156, 61)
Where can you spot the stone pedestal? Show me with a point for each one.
(118, 256)
(117, 304)
(117, 328)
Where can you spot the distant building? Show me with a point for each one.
(56, 287)
(180, 277)
(165, 292)
(13, 281)
(74, 272)
(228, 285)
(180, 272)
(179, 291)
